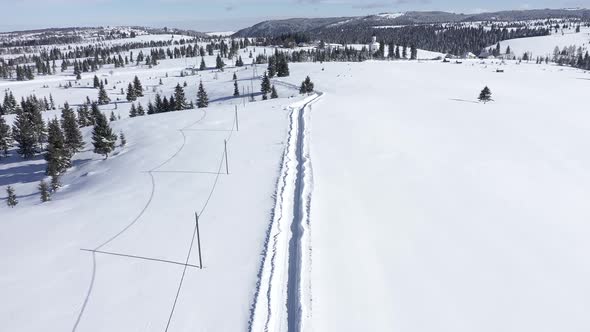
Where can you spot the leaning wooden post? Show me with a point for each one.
(237, 122)
(226, 163)
(198, 241)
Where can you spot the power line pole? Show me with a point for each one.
(198, 240)
(226, 163)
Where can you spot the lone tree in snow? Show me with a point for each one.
(219, 63)
(11, 200)
(306, 86)
(203, 66)
(236, 89)
(202, 99)
(485, 95)
(44, 190)
(265, 87)
(103, 138)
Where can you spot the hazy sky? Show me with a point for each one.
(222, 15)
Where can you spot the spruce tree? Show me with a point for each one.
(273, 93)
(202, 99)
(133, 111)
(179, 98)
(265, 84)
(103, 138)
(57, 156)
(131, 96)
(158, 104)
(219, 63)
(272, 68)
(5, 137)
(103, 97)
(11, 200)
(140, 110)
(23, 132)
(137, 87)
(94, 112)
(236, 89)
(235, 77)
(307, 86)
(203, 66)
(44, 191)
(485, 95)
(150, 108)
(72, 135)
(112, 117)
(96, 82)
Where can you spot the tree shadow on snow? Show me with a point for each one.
(27, 170)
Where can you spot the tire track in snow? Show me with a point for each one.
(281, 262)
(133, 222)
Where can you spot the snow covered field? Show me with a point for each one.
(414, 207)
(432, 212)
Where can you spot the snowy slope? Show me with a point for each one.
(544, 45)
(116, 206)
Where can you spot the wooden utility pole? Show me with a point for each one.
(198, 241)
(237, 122)
(226, 163)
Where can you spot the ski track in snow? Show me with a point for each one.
(142, 212)
(280, 275)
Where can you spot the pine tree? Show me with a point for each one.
(219, 63)
(236, 89)
(307, 86)
(96, 82)
(103, 97)
(103, 138)
(72, 135)
(23, 132)
(235, 77)
(272, 68)
(112, 117)
(202, 99)
(158, 104)
(11, 200)
(265, 84)
(282, 66)
(5, 137)
(131, 96)
(203, 66)
(57, 156)
(137, 87)
(122, 139)
(485, 95)
(140, 110)
(273, 93)
(133, 111)
(44, 191)
(179, 98)
(150, 108)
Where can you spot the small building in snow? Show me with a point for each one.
(469, 55)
